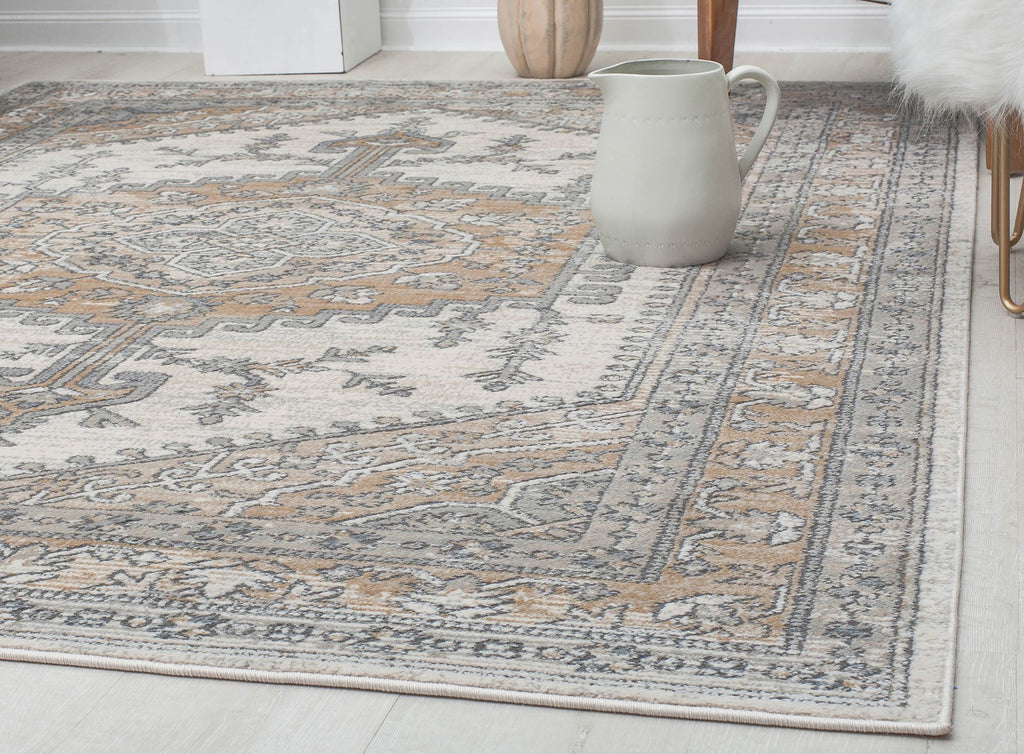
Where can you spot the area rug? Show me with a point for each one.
(332, 384)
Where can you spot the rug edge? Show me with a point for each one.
(476, 693)
(954, 393)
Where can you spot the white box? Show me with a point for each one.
(288, 36)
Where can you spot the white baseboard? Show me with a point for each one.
(101, 31)
(806, 28)
(810, 27)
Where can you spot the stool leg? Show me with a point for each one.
(1018, 225)
(716, 30)
(1001, 216)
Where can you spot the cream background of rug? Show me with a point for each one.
(40, 705)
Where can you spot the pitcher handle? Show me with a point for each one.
(771, 108)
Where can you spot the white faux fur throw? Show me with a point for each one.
(961, 54)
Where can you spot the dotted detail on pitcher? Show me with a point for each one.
(674, 245)
(674, 120)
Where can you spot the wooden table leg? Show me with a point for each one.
(716, 30)
(1016, 131)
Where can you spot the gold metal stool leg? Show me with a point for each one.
(1001, 232)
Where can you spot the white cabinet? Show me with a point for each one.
(288, 36)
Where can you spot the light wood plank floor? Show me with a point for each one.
(55, 709)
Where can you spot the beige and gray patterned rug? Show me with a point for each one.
(332, 384)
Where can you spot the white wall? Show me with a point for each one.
(173, 25)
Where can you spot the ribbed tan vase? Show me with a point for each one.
(550, 39)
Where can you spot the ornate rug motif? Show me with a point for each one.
(332, 384)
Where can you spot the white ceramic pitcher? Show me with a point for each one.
(666, 188)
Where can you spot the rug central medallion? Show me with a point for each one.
(218, 248)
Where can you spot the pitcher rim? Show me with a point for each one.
(713, 68)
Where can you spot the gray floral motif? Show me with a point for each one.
(435, 281)
(523, 346)
(346, 294)
(161, 308)
(242, 395)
